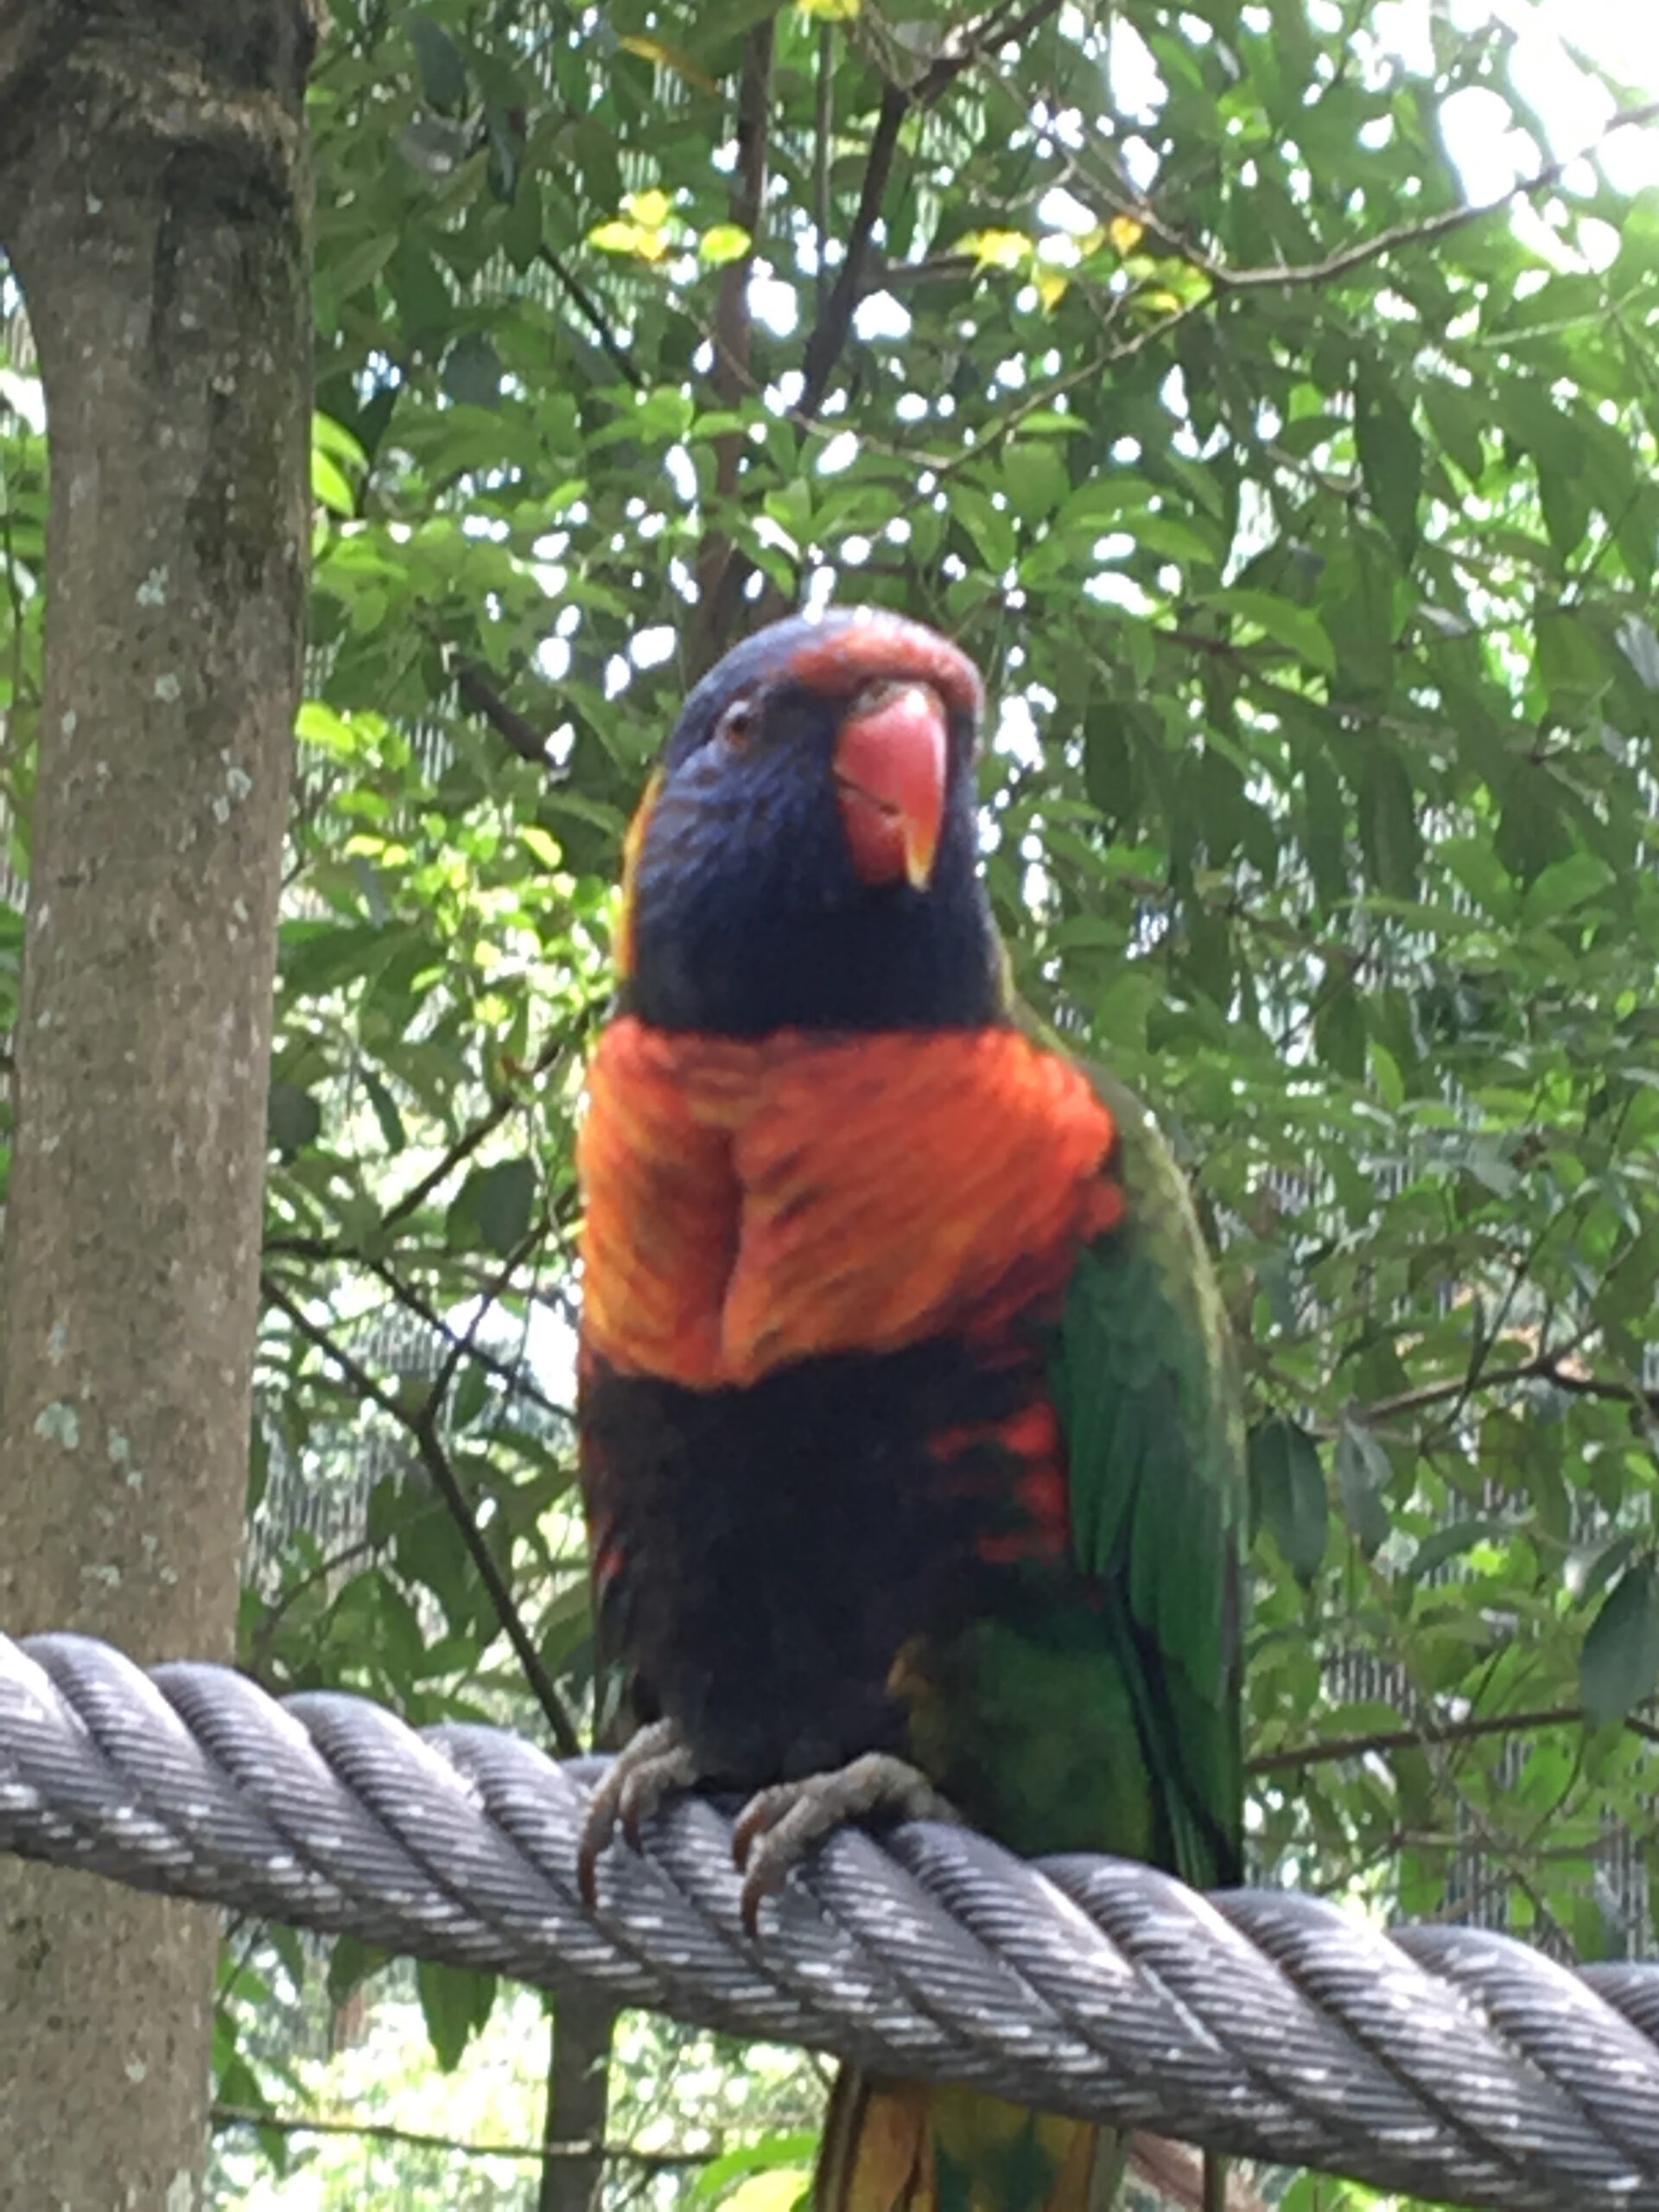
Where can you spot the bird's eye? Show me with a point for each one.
(736, 726)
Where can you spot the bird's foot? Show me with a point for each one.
(651, 1765)
(777, 1826)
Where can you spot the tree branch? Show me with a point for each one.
(1434, 1734)
(1545, 1367)
(999, 27)
(1342, 263)
(504, 1371)
(829, 332)
(1139, 209)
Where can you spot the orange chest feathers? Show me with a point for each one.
(754, 1203)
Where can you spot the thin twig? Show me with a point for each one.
(509, 1372)
(1399, 235)
(1544, 1367)
(382, 2131)
(610, 344)
(437, 1463)
(557, 1047)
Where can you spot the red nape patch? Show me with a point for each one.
(877, 646)
(751, 1203)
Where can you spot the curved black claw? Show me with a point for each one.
(653, 1764)
(778, 1826)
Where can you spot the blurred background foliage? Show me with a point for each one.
(1266, 396)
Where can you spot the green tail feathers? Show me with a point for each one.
(911, 2146)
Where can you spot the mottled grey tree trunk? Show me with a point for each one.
(152, 205)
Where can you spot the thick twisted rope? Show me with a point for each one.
(1446, 2061)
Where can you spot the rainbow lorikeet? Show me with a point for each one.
(910, 1444)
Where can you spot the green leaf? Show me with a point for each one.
(293, 1118)
(1390, 456)
(1636, 641)
(455, 2003)
(1339, 1028)
(1569, 659)
(443, 73)
(321, 957)
(351, 1962)
(723, 242)
(720, 2176)
(1458, 420)
(330, 486)
(1389, 833)
(470, 1397)
(493, 1206)
(990, 527)
(1299, 629)
(1564, 884)
(1364, 1472)
(1287, 1485)
(1356, 601)
(385, 1112)
(1457, 1537)
(1036, 480)
(471, 371)
(1619, 1664)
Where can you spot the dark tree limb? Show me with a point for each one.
(722, 570)
(477, 692)
(828, 339)
(830, 332)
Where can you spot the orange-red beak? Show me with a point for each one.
(890, 766)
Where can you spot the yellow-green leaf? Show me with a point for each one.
(651, 210)
(777, 2191)
(671, 58)
(616, 236)
(724, 242)
(330, 486)
(998, 249)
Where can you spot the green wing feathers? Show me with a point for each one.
(1145, 1381)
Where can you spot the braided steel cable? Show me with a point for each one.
(1449, 2062)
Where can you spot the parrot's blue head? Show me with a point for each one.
(803, 857)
